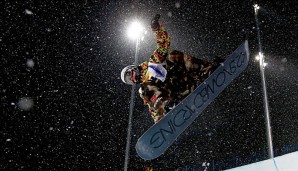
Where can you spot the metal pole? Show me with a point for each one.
(262, 71)
(131, 108)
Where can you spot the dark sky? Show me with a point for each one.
(64, 107)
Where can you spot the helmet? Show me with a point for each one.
(126, 74)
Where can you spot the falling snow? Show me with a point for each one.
(25, 103)
(64, 106)
(30, 63)
(28, 12)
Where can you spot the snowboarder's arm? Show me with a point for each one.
(163, 44)
(162, 39)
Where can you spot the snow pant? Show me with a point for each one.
(155, 96)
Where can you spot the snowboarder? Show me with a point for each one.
(169, 76)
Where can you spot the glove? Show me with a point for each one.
(155, 23)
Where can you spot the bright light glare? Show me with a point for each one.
(135, 30)
(257, 7)
(259, 56)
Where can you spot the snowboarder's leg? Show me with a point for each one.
(157, 108)
(156, 98)
(188, 72)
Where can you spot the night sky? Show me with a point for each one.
(64, 106)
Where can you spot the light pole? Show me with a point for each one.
(135, 33)
(262, 71)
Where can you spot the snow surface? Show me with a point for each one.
(286, 162)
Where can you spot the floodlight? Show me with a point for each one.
(135, 30)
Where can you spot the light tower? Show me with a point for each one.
(262, 64)
(134, 32)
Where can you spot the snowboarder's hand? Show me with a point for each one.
(155, 23)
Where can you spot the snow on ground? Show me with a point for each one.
(286, 162)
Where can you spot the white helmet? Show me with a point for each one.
(126, 74)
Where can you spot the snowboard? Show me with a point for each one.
(161, 135)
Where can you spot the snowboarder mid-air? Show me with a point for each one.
(169, 76)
